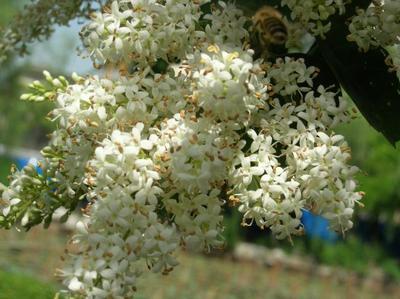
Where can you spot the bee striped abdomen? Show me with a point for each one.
(269, 32)
(276, 29)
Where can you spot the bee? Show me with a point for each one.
(269, 33)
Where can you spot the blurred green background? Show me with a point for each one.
(370, 252)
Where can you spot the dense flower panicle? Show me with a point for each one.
(226, 25)
(292, 162)
(159, 153)
(378, 25)
(287, 74)
(192, 157)
(124, 227)
(198, 218)
(143, 31)
(228, 85)
(314, 14)
(196, 157)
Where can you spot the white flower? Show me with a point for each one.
(228, 85)
(289, 77)
(313, 14)
(378, 25)
(75, 285)
(226, 25)
(7, 201)
(149, 29)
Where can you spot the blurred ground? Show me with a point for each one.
(27, 263)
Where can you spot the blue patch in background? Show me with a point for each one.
(317, 227)
(21, 162)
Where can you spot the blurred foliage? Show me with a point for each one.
(37, 21)
(352, 253)
(200, 277)
(5, 164)
(380, 166)
(18, 286)
(233, 232)
(8, 10)
(21, 123)
(197, 277)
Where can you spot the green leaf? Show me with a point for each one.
(160, 66)
(364, 76)
(366, 79)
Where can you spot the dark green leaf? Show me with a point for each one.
(160, 66)
(364, 76)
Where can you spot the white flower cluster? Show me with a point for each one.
(378, 25)
(159, 155)
(124, 229)
(293, 164)
(10, 196)
(226, 25)
(225, 84)
(142, 31)
(313, 15)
